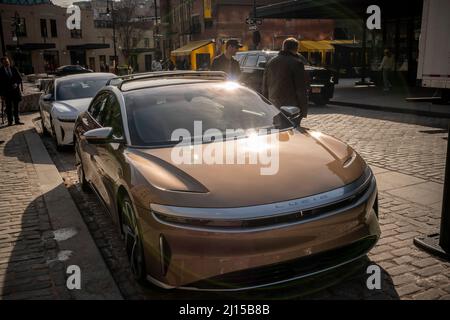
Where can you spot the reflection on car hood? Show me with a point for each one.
(308, 164)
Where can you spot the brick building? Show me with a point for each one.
(188, 20)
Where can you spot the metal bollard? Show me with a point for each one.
(439, 243)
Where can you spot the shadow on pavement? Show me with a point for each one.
(27, 247)
(344, 283)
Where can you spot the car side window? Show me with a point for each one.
(50, 88)
(97, 106)
(251, 60)
(240, 58)
(261, 58)
(110, 116)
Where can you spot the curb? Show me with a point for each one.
(74, 240)
(391, 109)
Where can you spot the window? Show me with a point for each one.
(240, 57)
(50, 89)
(79, 88)
(196, 26)
(261, 59)
(44, 28)
(251, 60)
(53, 29)
(111, 116)
(134, 42)
(97, 106)
(102, 24)
(146, 42)
(154, 113)
(21, 28)
(75, 33)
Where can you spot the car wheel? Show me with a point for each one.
(80, 170)
(44, 129)
(132, 238)
(320, 101)
(55, 138)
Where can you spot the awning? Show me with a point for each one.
(88, 46)
(191, 46)
(32, 46)
(315, 46)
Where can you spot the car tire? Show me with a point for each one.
(132, 238)
(321, 101)
(44, 129)
(59, 147)
(85, 187)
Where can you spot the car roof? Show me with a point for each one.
(87, 76)
(258, 51)
(152, 83)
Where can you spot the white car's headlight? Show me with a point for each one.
(64, 113)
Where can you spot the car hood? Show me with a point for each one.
(309, 163)
(76, 105)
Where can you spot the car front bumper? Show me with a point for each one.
(205, 258)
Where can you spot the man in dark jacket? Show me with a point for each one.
(226, 63)
(11, 88)
(284, 81)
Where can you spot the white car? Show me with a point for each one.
(64, 99)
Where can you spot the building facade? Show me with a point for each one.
(224, 19)
(34, 34)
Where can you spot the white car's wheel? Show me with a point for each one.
(55, 137)
(44, 129)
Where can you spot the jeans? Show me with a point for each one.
(386, 75)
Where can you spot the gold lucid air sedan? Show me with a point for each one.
(228, 223)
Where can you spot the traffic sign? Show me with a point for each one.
(253, 21)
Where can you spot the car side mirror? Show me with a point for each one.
(293, 113)
(99, 135)
(48, 97)
(262, 64)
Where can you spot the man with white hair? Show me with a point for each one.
(284, 81)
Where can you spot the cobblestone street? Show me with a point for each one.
(410, 146)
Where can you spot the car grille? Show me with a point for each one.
(279, 219)
(285, 271)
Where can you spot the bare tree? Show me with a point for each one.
(129, 25)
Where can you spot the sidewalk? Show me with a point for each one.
(346, 94)
(41, 230)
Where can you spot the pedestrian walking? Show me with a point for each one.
(156, 65)
(226, 63)
(11, 88)
(386, 66)
(284, 80)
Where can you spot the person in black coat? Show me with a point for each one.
(11, 88)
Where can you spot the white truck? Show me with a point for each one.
(434, 46)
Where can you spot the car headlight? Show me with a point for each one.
(64, 113)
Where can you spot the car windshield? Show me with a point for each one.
(79, 88)
(155, 113)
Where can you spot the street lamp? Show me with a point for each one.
(110, 12)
